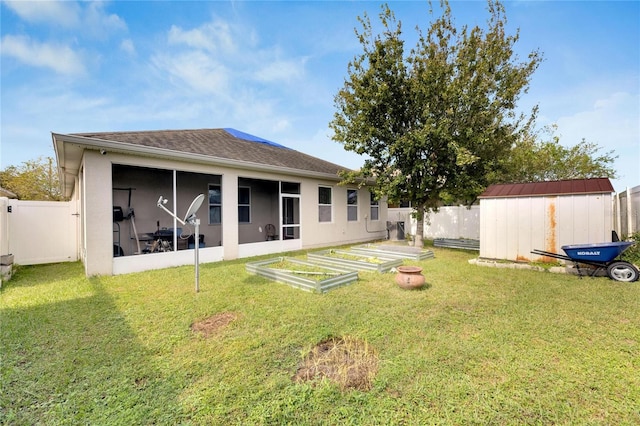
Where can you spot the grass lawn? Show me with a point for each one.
(477, 346)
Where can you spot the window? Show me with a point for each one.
(352, 205)
(324, 204)
(290, 188)
(244, 204)
(215, 204)
(375, 208)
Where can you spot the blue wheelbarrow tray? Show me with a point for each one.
(599, 253)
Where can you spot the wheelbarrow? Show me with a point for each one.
(602, 256)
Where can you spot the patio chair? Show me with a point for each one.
(270, 232)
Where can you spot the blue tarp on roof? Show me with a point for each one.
(251, 138)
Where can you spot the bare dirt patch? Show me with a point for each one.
(213, 324)
(349, 362)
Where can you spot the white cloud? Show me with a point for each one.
(86, 17)
(99, 23)
(64, 13)
(198, 70)
(610, 122)
(281, 70)
(214, 36)
(281, 125)
(59, 58)
(128, 47)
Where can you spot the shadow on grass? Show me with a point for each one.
(31, 275)
(76, 361)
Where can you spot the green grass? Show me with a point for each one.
(477, 346)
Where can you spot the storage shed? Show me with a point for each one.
(518, 218)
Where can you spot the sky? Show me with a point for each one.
(272, 69)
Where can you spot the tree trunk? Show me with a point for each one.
(418, 239)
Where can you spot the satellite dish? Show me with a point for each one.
(193, 208)
(190, 218)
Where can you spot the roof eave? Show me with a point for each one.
(94, 143)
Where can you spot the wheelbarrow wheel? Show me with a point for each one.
(623, 271)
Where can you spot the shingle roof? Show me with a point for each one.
(559, 187)
(7, 193)
(222, 144)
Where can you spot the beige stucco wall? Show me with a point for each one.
(97, 200)
(97, 241)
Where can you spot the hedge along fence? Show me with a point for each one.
(302, 274)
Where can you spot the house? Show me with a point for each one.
(518, 218)
(6, 193)
(259, 198)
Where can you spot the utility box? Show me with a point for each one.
(396, 231)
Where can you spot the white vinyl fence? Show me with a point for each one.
(36, 232)
(626, 212)
(448, 222)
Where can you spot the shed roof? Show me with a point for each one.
(558, 187)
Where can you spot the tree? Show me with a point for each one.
(33, 180)
(535, 158)
(436, 123)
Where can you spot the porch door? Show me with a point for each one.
(290, 217)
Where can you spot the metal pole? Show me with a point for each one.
(197, 254)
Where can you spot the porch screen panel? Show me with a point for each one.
(244, 204)
(215, 204)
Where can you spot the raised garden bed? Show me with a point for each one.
(302, 274)
(460, 243)
(394, 251)
(354, 260)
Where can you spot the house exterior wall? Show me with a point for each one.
(97, 198)
(510, 228)
(97, 238)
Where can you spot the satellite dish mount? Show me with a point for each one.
(191, 219)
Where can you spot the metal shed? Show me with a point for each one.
(517, 218)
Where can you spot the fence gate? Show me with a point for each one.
(626, 209)
(42, 231)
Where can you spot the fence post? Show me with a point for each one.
(617, 226)
(630, 220)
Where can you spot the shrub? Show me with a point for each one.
(632, 254)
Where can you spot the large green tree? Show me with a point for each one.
(435, 123)
(539, 156)
(33, 180)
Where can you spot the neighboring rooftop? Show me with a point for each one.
(6, 193)
(558, 187)
(227, 144)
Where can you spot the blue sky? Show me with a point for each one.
(272, 69)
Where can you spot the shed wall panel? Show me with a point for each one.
(510, 228)
(512, 222)
(524, 233)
